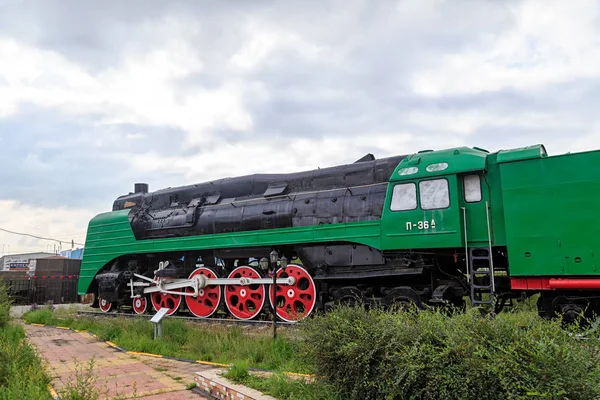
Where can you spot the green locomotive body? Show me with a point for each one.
(434, 227)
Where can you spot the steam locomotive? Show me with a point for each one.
(431, 228)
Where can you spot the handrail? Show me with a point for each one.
(466, 245)
(492, 279)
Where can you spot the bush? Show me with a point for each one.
(371, 354)
(21, 373)
(5, 302)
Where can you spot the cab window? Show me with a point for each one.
(472, 185)
(434, 194)
(404, 197)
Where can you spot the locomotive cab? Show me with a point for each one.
(433, 197)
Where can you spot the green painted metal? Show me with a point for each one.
(522, 153)
(422, 229)
(551, 215)
(445, 227)
(474, 213)
(459, 160)
(493, 181)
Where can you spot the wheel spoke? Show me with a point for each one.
(140, 304)
(208, 299)
(166, 300)
(244, 302)
(305, 303)
(105, 306)
(297, 301)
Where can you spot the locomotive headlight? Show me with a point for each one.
(264, 263)
(274, 257)
(283, 261)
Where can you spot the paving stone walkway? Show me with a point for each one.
(116, 374)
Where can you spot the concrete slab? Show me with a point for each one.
(212, 383)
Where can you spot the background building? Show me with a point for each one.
(21, 262)
(39, 278)
(75, 253)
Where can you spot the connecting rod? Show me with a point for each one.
(198, 283)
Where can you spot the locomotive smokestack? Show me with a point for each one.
(140, 188)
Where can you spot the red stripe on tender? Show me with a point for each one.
(534, 283)
(538, 283)
(575, 283)
(518, 283)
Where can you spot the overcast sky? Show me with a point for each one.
(97, 95)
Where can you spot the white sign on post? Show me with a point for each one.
(159, 315)
(157, 320)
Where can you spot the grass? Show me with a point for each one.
(281, 386)
(220, 344)
(22, 375)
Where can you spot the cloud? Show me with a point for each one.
(63, 223)
(95, 96)
(550, 42)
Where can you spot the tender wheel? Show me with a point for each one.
(244, 302)
(140, 305)
(208, 298)
(165, 300)
(348, 296)
(104, 305)
(403, 298)
(297, 301)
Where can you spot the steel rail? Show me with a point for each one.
(191, 319)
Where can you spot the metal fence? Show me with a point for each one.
(42, 290)
(54, 280)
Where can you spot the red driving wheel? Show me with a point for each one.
(105, 306)
(140, 304)
(208, 299)
(244, 302)
(166, 300)
(297, 301)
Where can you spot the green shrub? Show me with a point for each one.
(82, 384)
(5, 303)
(21, 373)
(370, 354)
(41, 316)
(237, 372)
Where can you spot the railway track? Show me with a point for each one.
(210, 321)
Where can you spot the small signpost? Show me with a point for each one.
(157, 321)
